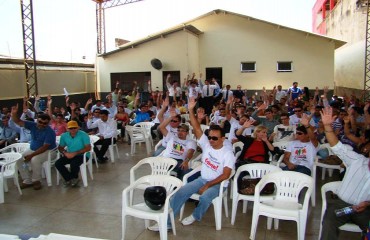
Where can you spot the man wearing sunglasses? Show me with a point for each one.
(217, 164)
(300, 154)
(178, 147)
(294, 120)
(354, 190)
(42, 141)
(73, 144)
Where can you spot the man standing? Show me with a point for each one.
(226, 93)
(354, 190)
(207, 94)
(42, 141)
(279, 93)
(73, 144)
(107, 129)
(217, 165)
(295, 91)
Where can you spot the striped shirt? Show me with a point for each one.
(355, 187)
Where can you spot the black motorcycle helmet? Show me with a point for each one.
(155, 197)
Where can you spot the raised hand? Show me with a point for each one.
(191, 103)
(305, 120)
(248, 123)
(327, 117)
(14, 109)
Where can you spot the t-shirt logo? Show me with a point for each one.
(177, 148)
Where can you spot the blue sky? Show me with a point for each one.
(65, 30)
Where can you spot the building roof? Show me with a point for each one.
(186, 26)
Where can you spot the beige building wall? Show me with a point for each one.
(226, 41)
(51, 81)
(229, 40)
(177, 52)
(347, 22)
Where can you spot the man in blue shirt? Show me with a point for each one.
(73, 144)
(295, 91)
(42, 141)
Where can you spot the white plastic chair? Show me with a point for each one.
(159, 143)
(159, 166)
(204, 127)
(313, 175)
(93, 140)
(16, 147)
(333, 187)
(255, 170)
(9, 169)
(53, 156)
(141, 210)
(217, 202)
(138, 135)
(239, 145)
(285, 205)
(282, 146)
(324, 166)
(113, 146)
(87, 163)
(147, 126)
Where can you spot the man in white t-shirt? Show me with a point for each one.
(300, 154)
(283, 132)
(178, 147)
(295, 119)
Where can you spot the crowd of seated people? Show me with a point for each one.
(293, 116)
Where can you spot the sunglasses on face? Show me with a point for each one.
(299, 133)
(72, 128)
(174, 121)
(43, 122)
(297, 110)
(214, 138)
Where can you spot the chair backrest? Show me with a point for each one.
(237, 145)
(146, 125)
(204, 127)
(10, 161)
(16, 147)
(160, 165)
(282, 145)
(172, 185)
(93, 139)
(257, 170)
(288, 185)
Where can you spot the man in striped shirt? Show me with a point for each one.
(355, 188)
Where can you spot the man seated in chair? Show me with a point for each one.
(354, 189)
(300, 154)
(217, 165)
(73, 144)
(107, 129)
(178, 147)
(42, 141)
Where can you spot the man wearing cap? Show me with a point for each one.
(73, 144)
(42, 141)
(178, 147)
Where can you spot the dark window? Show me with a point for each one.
(248, 67)
(284, 67)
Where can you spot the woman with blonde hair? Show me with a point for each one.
(255, 149)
